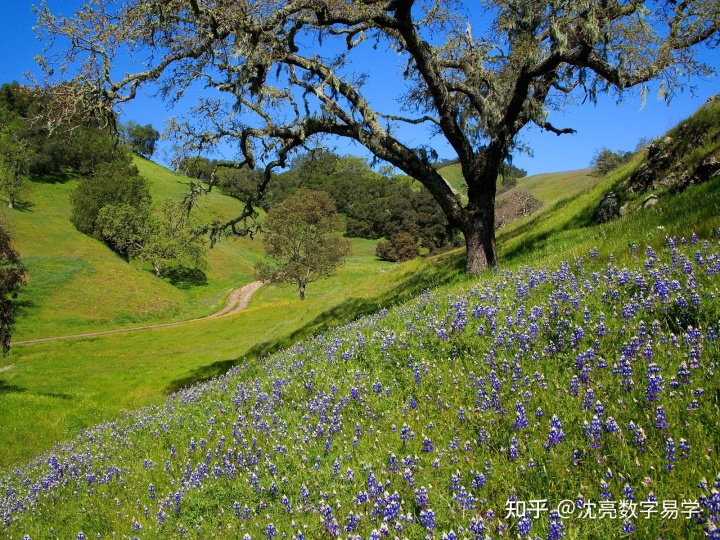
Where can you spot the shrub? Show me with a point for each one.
(399, 247)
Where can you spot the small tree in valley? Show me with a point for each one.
(303, 235)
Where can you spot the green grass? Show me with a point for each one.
(48, 391)
(549, 188)
(77, 285)
(301, 423)
(453, 175)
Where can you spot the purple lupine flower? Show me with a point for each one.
(654, 382)
(555, 435)
(593, 431)
(660, 421)
(513, 452)
(669, 454)
(524, 524)
(628, 527)
(639, 436)
(599, 409)
(557, 529)
(684, 448)
(427, 519)
(478, 480)
(477, 526)
(521, 421)
(428, 445)
(421, 496)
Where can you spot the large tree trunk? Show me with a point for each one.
(479, 234)
(478, 225)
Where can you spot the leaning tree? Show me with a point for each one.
(288, 72)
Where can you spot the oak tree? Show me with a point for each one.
(166, 241)
(288, 72)
(13, 275)
(16, 155)
(304, 236)
(141, 139)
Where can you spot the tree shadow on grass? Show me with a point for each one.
(51, 178)
(23, 206)
(183, 277)
(450, 270)
(6, 388)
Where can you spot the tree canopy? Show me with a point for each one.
(12, 278)
(605, 160)
(114, 183)
(278, 92)
(165, 241)
(303, 234)
(141, 139)
(79, 145)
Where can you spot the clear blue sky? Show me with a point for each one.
(606, 124)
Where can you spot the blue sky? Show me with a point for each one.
(618, 127)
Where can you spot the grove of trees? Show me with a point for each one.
(276, 92)
(605, 160)
(112, 201)
(376, 204)
(166, 241)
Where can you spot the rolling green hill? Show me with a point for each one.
(77, 284)
(562, 377)
(548, 188)
(48, 391)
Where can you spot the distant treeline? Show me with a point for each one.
(376, 204)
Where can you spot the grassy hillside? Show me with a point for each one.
(49, 391)
(76, 284)
(582, 371)
(587, 377)
(548, 188)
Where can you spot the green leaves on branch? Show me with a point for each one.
(141, 139)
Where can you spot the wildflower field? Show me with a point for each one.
(577, 401)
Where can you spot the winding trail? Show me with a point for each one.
(236, 302)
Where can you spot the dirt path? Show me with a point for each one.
(236, 302)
